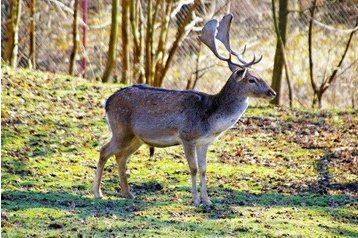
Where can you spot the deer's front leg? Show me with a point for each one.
(189, 150)
(201, 154)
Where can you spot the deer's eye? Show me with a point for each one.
(252, 80)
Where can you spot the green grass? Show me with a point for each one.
(278, 172)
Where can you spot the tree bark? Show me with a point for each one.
(148, 44)
(136, 29)
(279, 57)
(310, 56)
(124, 53)
(179, 37)
(12, 33)
(74, 38)
(32, 53)
(84, 38)
(112, 42)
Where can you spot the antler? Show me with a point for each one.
(221, 31)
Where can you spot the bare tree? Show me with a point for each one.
(281, 43)
(112, 42)
(125, 43)
(12, 34)
(319, 90)
(136, 23)
(279, 60)
(153, 49)
(32, 53)
(84, 37)
(74, 37)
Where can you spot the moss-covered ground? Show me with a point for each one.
(278, 172)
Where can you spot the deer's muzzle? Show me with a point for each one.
(271, 93)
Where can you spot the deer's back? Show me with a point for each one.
(149, 110)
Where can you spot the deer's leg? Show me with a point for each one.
(106, 151)
(121, 159)
(201, 154)
(189, 150)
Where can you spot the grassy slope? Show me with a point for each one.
(288, 173)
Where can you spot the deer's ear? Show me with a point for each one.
(241, 73)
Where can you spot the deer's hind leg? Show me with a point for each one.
(121, 159)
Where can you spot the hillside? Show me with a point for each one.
(279, 172)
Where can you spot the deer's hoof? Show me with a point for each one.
(196, 201)
(97, 194)
(128, 195)
(207, 202)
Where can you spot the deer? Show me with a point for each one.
(141, 114)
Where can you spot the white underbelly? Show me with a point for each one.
(206, 140)
(162, 141)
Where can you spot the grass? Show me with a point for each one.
(278, 172)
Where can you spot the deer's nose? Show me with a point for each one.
(271, 93)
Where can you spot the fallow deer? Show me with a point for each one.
(158, 117)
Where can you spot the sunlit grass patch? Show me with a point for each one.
(278, 172)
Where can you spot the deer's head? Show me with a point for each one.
(247, 80)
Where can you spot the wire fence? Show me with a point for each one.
(252, 25)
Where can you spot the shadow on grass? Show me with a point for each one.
(85, 206)
(223, 198)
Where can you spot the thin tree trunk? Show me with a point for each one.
(134, 19)
(179, 37)
(74, 38)
(161, 49)
(281, 42)
(12, 33)
(112, 42)
(32, 52)
(327, 82)
(84, 37)
(148, 44)
(313, 84)
(191, 84)
(124, 54)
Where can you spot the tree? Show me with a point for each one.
(84, 37)
(281, 56)
(112, 42)
(74, 37)
(32, 53)
(279, 61)
(125, 43)
(319, 90)
(152, 44)
(12, 34)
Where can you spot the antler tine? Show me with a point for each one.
(253, 61)
(258, 59)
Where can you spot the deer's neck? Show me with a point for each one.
(227, 107)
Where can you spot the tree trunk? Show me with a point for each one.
(148, 45)
(74, 38)
(279, 57)
(124, 54)
(179, 37)
(32, 53)
(84, 38)
(136, 29)
(12, 33)
(112, 42)
(310, 55)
